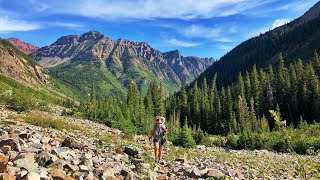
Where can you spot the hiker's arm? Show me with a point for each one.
(165, 129)
(152, 133)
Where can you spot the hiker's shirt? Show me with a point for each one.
(159, 131)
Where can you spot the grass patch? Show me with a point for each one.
(38, 118)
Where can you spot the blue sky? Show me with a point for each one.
(204, 28)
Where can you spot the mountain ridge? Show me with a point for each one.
(117, 61)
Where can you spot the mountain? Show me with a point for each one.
(22, 46)
(297, 39)
(24, 84)
(92, 58)
(19, 66)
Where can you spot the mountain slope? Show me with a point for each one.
(91, 58)
(297, 39)
(22, 46)
(18, 66)
(23, 82)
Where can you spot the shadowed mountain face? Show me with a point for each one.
(297, 39)
(92, 58)
(22, 46)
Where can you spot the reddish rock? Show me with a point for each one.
(57, 174)
(3, 163)
(22, 46)
(14, 136)
(119, 151)
(162, 178)
(6, 176)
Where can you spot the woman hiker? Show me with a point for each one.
(158, 133)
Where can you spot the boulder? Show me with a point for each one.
(130, 151)
(45, 140)
(43, 159)
(83, 168)
(3, 163)
(57, 174)
(69, 167)
(73, 144)
(12, 170)
(27, 162)
(24, 135)
(214, 173)
(32, 176)
(13, 143)
(238, 174)
(182, 160)
(5, 149)
(6, 176)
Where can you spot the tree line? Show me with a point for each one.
(240, 108)
(244, 105)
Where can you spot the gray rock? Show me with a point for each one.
(43, 159)
(37, 145)
(83, 168)
(215, 173)
(5, 149)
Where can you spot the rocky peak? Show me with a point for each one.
(174, 54)
(65, 40)
(22, 46)
(91, 35)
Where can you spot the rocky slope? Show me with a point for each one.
(115, 61)
(17, 65)
(22, 46)
(69, 148)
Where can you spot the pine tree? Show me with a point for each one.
(240, 86)
(185, 137)
(256, 90)
(183, 105)
(247, 84)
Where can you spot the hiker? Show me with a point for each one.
(158, 133)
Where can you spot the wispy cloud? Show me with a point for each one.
(65, 24)
(301, 5)
(225, 48)
(181, 43)
(10, 25)
(150, 9)
(276, 23)
(217, 34)
(279, 22)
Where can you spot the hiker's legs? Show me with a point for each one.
(160, 152)
(156, 149)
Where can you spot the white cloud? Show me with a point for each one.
(300, 6)
(279, 22)
(217, 34)
(67, 25)
(276, 23)
(180, 43)
(9, 25)
(38, 5)
(150, 9)
(225, 47)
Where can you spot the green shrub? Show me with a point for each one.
(232, 140)
(207, 141)
(185, 138)
(218, 141)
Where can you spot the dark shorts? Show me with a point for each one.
(160, 141)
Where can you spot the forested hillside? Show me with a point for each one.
(297, 39)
